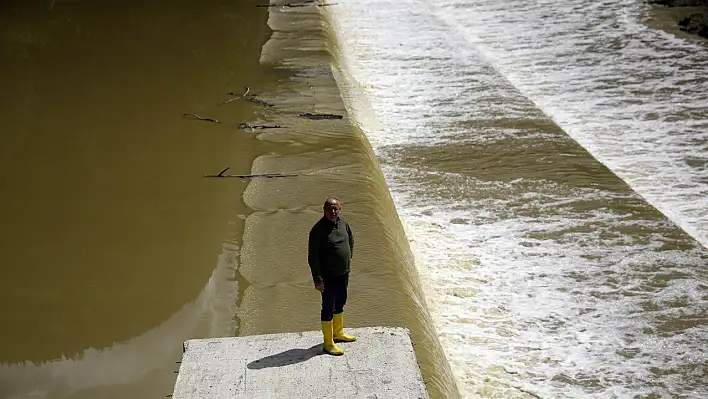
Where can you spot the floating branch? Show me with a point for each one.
(197, 117)
(303, 4)
(255, 176)
(245, 97)
(261, 102)
(238, 96)
(320, 116)
(245, 93)
(246, 126)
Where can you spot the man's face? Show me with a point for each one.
(331, 211)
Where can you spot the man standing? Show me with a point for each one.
(330, 249)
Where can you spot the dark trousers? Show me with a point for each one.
(334, 296)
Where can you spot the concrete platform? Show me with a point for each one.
(380, 364)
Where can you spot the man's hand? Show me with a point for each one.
(319, 286)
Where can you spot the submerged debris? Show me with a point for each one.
(238, 96)
(320, 116)
(197, 117)
(245, 97)
(306, 3)
(254, 176)
(257, 101)
(246, 126)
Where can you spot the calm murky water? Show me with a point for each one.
(112, 245)
(547, 274)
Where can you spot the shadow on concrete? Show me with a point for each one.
(290, 356)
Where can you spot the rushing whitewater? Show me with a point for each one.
(548, 274)
(635, 97)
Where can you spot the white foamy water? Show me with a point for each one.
(547, 277)
(635, 97)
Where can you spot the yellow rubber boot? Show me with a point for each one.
(329, 345)
(338, 326)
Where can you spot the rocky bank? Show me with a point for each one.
(696, 20)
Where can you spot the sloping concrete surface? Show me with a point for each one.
(380, 364)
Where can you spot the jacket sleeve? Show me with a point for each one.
(351, 241)
(313, 250)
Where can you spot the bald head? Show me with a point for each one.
(331, 201)
(331, 208)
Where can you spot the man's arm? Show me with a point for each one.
(313, 250)
(351, 240)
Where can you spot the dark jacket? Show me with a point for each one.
(330, 249)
